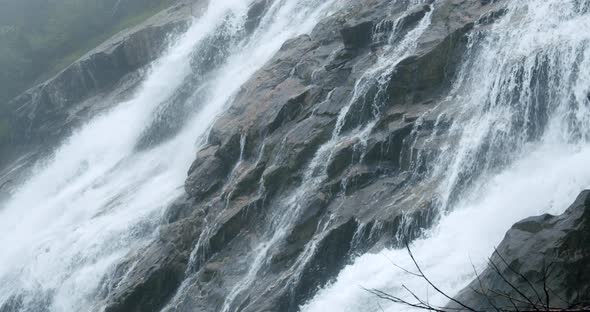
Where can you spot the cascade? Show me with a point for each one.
(519, 111)
(513, 124)
(100, 196)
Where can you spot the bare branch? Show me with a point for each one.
(497, 270)
(521, 276)
(432, 284)
(401, 268)
(490, 301)
(546, 272)
(530, 306)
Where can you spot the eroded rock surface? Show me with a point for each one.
(265, 162)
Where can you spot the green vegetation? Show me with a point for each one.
(38, 38)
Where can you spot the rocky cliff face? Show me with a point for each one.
(541, 263)
(320, 156)
(288, 187)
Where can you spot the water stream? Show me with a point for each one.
(516, 148)
(98, 197)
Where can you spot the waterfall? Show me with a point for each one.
(511, 138)
(100, 196)
(516, 147)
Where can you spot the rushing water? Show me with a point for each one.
(517, 148)
(99, 196)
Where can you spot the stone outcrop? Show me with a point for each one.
(541, 259)
(264, 176)
(261, 155)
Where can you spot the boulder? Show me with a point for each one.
(537, 254)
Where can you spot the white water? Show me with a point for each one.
(524, 139)
(98, 198)
(284, 20)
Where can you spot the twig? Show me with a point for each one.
(521, 276)
(400, 267)
(432, 284)
(495, 267)
(545, 289)
(490, 301)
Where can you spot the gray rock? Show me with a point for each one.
(358, 36)
(538, 253)
(284, 114)
(255, 14)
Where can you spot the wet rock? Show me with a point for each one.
(491, 17)
(302, 232)
(210, 166)
(551, 248)
(288, 112)
(285, 113)
(148, 284)
(180, 209)
(352, 179)
(273, 177)
(326, 263)
(402, 27)
(210, 270)
(248, 182)
(388, 147)
(303, 141)
(414, 16)
(342, 156)
(358, 36)
(331, 106)
(149, 277)
(425, 76)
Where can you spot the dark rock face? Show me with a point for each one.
(261, 156)
(551, 248)
(358, 36)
